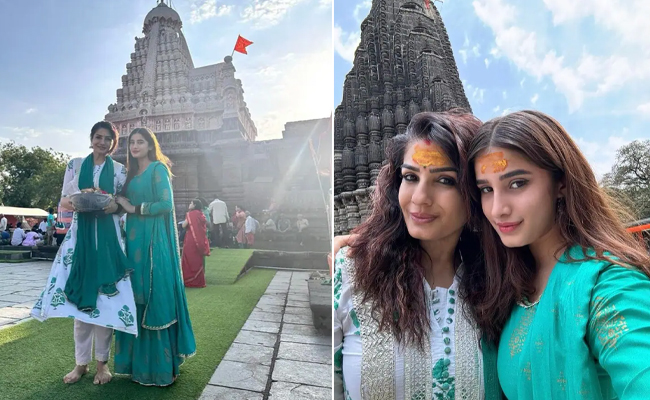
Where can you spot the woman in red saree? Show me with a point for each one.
(195, 246)
(239, 222)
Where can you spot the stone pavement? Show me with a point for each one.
(278, 354)
(20, 286)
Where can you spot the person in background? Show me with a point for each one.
(250, 227)
(33, 238)
(42, 227)
(219, 217)
(19, 234)
(208, 219)
(49, 234)
(195, 247)
(302, 225)
(239, 220)
(3, 223)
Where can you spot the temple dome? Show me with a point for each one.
(162, 11)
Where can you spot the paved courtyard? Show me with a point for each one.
(20, 286)
(278, 354)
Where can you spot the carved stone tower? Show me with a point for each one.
(403, 65)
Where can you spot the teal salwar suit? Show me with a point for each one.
(587, 338)
(165, 332)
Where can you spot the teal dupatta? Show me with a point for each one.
(98, 263)
(589, 337)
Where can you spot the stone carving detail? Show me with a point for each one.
(403, 65)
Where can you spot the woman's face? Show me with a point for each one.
(431, 203)
(192, 206)
(138, 146)
(518, 198)
(102, 142)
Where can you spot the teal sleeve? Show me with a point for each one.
(163, 190)
(619, 329)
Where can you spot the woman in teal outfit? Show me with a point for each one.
(165, 332)
(567, 289)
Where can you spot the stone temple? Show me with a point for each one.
(203, 124)
(403, 65)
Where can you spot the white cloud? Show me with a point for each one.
(601, 155)
(361, 10)
(496, 109)
(487, 63)
(468, 51)
(265, 13)
(534, 98)
(345, 43)
(30, 111)
(589, 75)
(208, 9)
(644, 109)
(505, 94)
(521, 82)
(477, 94)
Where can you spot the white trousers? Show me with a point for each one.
(83, 342)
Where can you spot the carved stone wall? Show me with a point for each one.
(403, 65)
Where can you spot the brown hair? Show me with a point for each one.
(587, 217)
(155, 154)
(388, 270)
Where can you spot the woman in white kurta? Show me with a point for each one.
(111, 312)
(403, 328)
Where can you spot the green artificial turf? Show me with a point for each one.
(34, 356)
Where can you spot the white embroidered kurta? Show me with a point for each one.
(117, 312)
(348, 346)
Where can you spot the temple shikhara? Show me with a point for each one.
(203, 124)
(404, 65)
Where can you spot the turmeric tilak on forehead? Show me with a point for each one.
(495, 160)
(428, 155)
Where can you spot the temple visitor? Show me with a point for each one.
(195, 247)
(33, 238)
(165, 336)
(89, 280)
(19, 234)
(239, 220)
(219, 217)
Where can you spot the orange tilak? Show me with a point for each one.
(425, 157)
(498, 163)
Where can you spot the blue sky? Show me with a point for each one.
(62, 61)
(584, 62)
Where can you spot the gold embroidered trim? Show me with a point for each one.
(469, 359)
(378, 353)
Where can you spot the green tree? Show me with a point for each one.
(30, 177)
(629, 179)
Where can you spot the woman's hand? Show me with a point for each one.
(67, 204)
(111, 208)
(342, 241)
(126, 205)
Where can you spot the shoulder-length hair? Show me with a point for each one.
(587, 217)
(388, 268)
(154, 154)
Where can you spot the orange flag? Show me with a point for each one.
(241, 44)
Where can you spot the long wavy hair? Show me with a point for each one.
(388, 267)
(587, 217)
(154, 154)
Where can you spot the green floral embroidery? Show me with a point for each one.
(52, 284)
(94, 313)
(68, 235)
(353, 316)
(338, 361)
(70, 165)
(39, 303)
(58, 298)
(126, 316)
(337, 288)
(67, 259)
(444, 387)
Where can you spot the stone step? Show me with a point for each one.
(15, 255)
